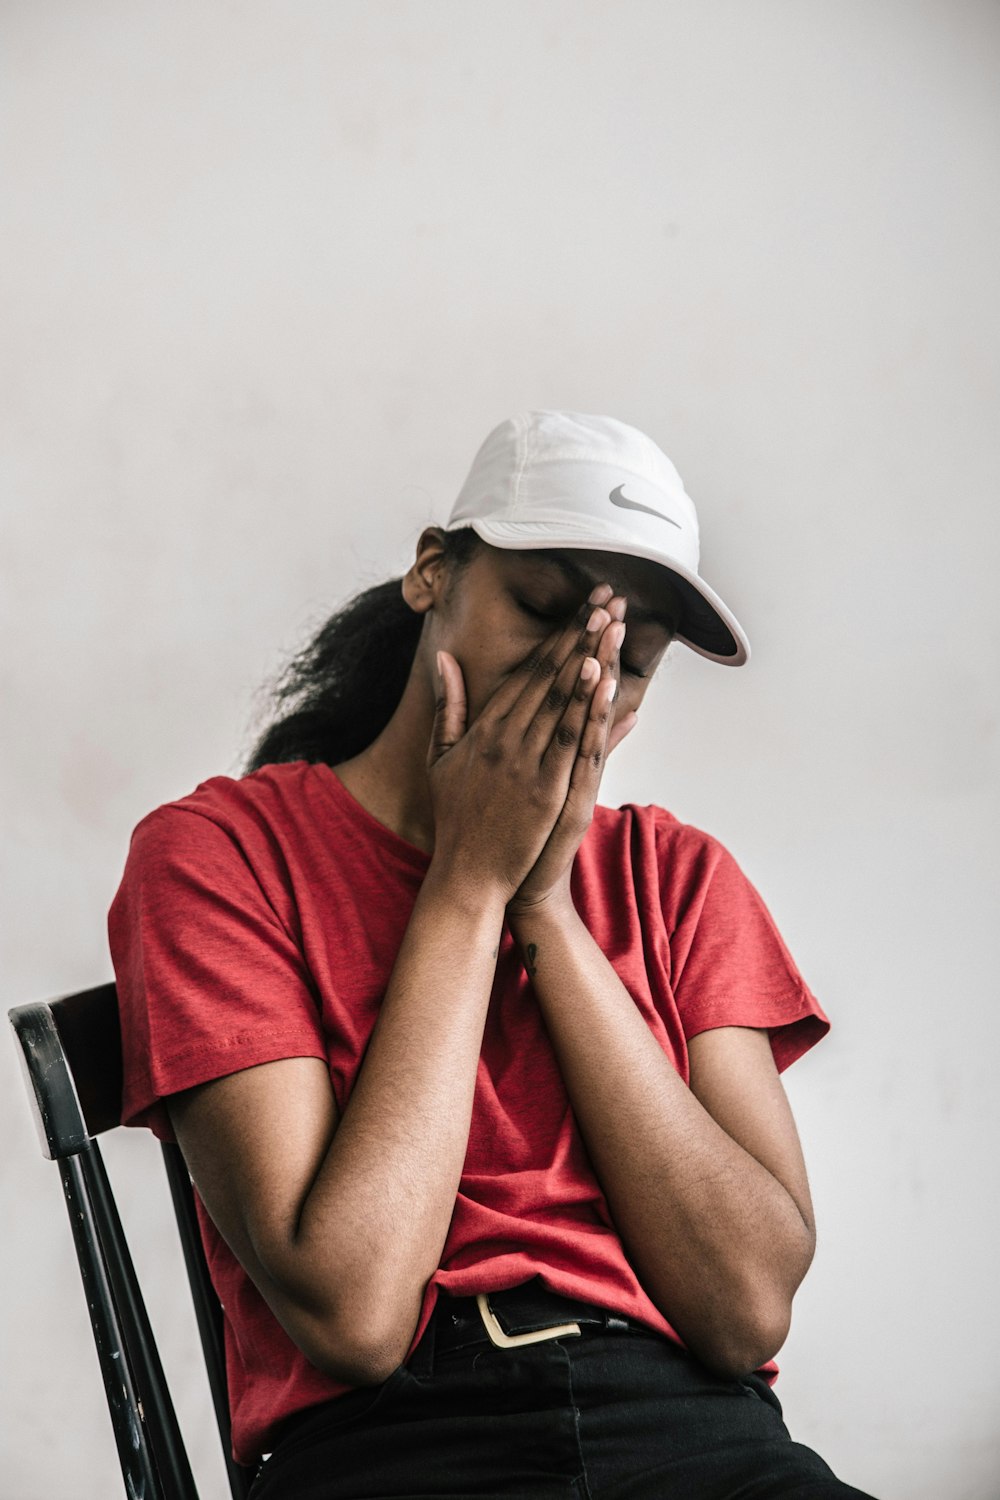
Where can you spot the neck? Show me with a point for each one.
(389, 777)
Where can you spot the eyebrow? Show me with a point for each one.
(574, 572)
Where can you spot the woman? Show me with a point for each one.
(477, 1080)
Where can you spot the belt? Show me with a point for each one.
(525, 1314)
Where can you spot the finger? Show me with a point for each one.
(563, 736)
(560, 708)
(558, 713)
(609, 649)
(539, 667)
(609, 656)
(588, 766)
(533, 676)
(450, 707)
(548, 683)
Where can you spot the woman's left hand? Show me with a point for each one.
(547, 883)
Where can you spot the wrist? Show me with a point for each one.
(554, 909)
(473, 893)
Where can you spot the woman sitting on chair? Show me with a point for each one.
(477, 1079)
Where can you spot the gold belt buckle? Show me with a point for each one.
(514, 1340)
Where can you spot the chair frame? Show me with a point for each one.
(70, 1051)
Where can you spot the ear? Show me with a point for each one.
(423, 583)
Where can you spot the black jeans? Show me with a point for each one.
(605, 1415)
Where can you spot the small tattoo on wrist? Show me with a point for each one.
(531, 952)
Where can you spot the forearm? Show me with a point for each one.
(717, 1241)
(377, 1215)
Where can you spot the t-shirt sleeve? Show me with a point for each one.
(729, 963)
(209, 979)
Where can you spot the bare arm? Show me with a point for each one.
(341, 1223)
(707, 1185)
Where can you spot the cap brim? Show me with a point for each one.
(707, 626)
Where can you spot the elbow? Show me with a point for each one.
(354, 1342)
(353, 1354)
(740, 1327)
(339, 1331)
(760, 1316)
(350, 1364)
(738, 1320)
(365, 1343)
(749, 1340)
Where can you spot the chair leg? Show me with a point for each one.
(159, 1417)
(134, 1451)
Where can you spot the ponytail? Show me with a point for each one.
(338, 694)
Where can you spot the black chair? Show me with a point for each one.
(71, 1052)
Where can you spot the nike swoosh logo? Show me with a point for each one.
(617, 498)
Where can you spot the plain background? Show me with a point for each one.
(271, 273)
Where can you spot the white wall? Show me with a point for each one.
(270, 274)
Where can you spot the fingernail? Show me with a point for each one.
(599, 593)
(438, 660)
(590, 669)
(616, 609)
(597, 619)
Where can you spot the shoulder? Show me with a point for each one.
(236, 805)
(686, 867)
(220, 855)
(652, 831)
(227, 829)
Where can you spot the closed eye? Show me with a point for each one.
(559, 618)
(539, 614)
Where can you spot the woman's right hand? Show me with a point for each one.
(498, 785)
(341, 1219)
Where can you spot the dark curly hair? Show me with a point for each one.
(339, 692)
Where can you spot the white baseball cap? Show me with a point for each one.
(570, 479)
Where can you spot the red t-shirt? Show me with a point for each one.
(260, 918)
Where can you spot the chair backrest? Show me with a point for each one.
(70, 1049)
